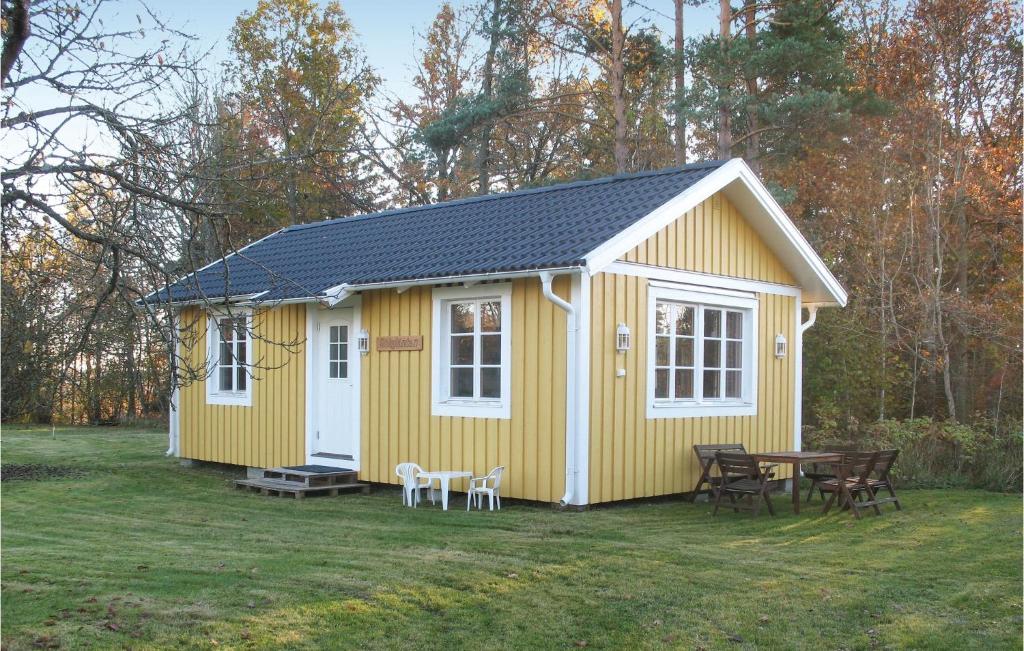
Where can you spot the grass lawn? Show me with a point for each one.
(143, 553)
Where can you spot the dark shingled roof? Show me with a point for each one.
(541, 228)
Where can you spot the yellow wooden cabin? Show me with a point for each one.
(585, 336)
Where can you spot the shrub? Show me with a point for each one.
(937, 453)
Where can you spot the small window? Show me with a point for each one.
(229, 350)
(337, 363)
(471, 365)
(701, 354)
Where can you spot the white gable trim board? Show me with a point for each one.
(761, 211)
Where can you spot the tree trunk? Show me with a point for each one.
(753, 140)
(618, 87)
(724, 122)
(680, 70)
(484, 152)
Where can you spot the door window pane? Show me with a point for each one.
(337, 352)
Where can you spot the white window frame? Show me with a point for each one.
(442, 404)
(704, 297)
(214, 396)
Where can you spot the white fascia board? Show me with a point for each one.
(795, 238)
(732, 176)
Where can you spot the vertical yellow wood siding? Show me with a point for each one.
(269, 433)
(397, 424)
(712, 238)
(632, 456)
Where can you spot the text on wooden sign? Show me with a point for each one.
(407, 342)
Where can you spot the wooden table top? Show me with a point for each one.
(796, 456)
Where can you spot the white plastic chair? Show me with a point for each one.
(413, 484)
(488, 485)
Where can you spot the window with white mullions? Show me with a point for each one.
(723, 354)
(229, 345)
(674, 351)
(475, 349)
(231, 372)
(337, 362)
(701, 353)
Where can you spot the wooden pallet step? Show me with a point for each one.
(312, 475)
(282, 488)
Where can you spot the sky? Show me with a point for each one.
(385, 28)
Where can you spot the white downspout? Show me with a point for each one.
(802, 327)
(173, 420)
(571, 382)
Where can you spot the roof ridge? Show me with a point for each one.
(501, 195)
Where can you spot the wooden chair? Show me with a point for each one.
(882, 479)
(851, 481)
(742, 476)
(820, 472)
(706, 458)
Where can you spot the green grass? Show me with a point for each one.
(143, 553)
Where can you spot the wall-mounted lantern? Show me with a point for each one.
(622, 338)
(363, 341)
(780, 345)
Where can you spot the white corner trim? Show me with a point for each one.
(356, 375)
(613, 249)
(714, 282)
(441, 405)
(174, 418)
(310, 374)
(229, 398)
(718, 407)
(581, 371)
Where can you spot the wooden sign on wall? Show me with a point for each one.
(407, 342)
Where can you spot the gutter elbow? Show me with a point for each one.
(813, 311)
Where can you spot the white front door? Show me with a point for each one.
(336, 437)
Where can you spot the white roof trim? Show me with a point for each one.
(757, 205)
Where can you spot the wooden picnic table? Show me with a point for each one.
(797, 458)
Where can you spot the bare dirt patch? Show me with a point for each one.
(38, 472)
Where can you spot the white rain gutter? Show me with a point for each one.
(335, 295)
(575, 387)
(812, 309)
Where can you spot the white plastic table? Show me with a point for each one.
(445, 477)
